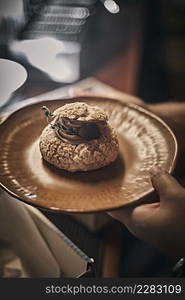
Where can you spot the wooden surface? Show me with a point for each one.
(122, 72)
(112, 251)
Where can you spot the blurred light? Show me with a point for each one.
(79, 13)
(111, 6)
(60, 60)
(52, 18)
(67, 11)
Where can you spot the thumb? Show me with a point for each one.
(166, 186)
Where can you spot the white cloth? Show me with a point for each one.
(42, 248)
(18, 229)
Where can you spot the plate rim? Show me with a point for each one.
(134, 106)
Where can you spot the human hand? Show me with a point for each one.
(173, 113)
(162, 223)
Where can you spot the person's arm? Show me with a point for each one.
(161, 223)
(173, 113)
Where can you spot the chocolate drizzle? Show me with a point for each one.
(75, 131)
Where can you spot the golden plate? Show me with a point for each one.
(145, 141)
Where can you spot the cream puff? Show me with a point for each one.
(78, 138)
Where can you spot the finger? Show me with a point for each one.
(166, 185)
(127, 215)
(141, 220)
(145, 213)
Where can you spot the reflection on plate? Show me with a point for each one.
(145, 141)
